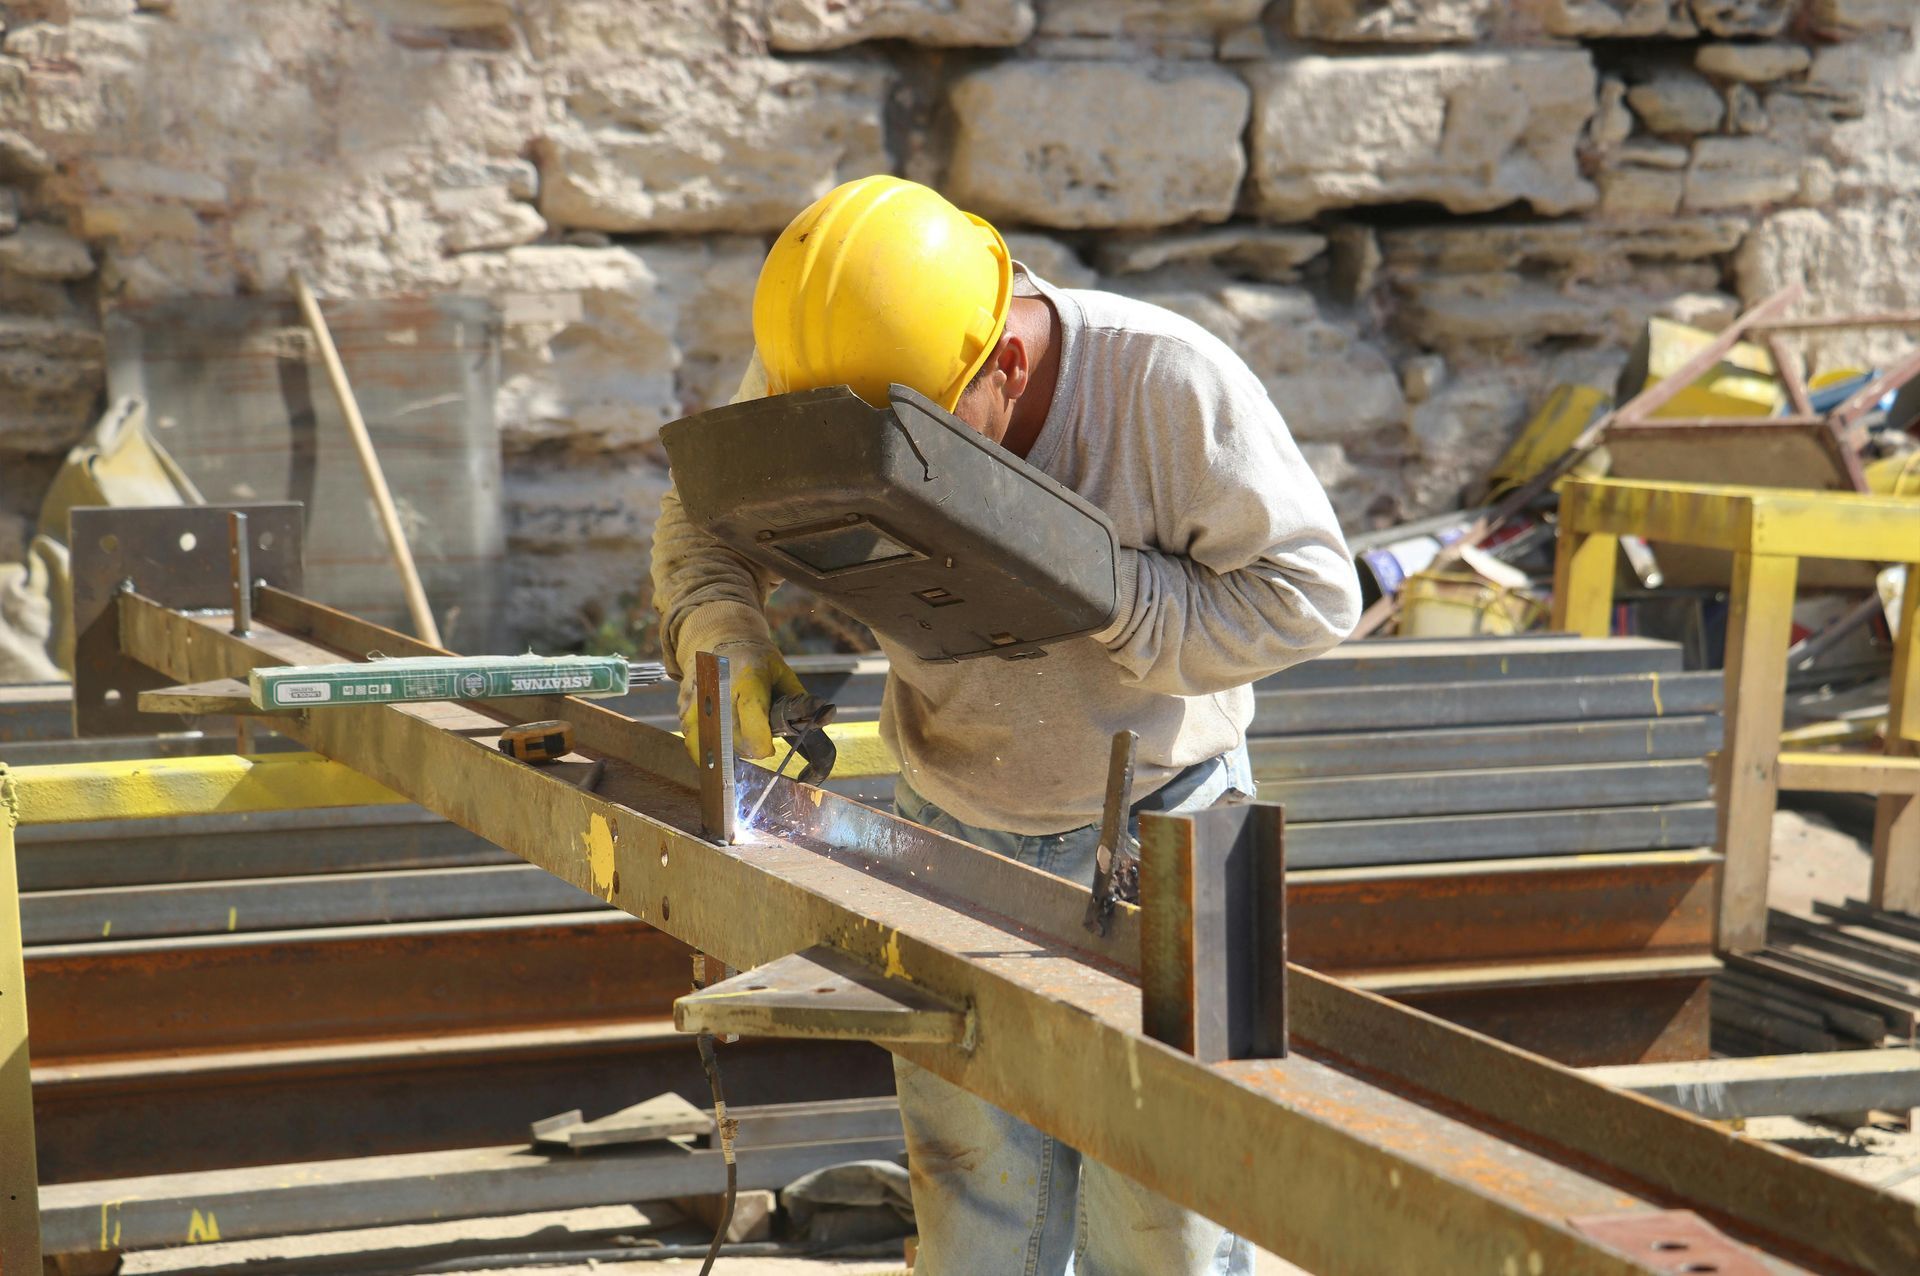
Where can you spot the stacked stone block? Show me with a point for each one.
(1412, 218)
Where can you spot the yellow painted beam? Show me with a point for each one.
(1583, 570)
(1849, 773)
(1763, 520)
(78, 792)
(70, 793)
(19, 1192)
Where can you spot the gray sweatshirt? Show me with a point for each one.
(1235, 568)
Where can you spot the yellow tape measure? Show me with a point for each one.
(537, 742)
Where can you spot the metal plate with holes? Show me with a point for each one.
(1677, 1241)
(176, 555)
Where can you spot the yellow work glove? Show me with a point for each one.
(760, 674)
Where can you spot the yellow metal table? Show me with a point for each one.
(1767, 531)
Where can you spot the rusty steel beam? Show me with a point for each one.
(1350, 920)
(1383, 1144)
(92, 1001)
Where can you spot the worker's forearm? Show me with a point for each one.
(706, 594)
(1191, 631)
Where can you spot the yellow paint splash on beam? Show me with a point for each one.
(599, 841)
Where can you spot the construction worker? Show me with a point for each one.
(1234, 567)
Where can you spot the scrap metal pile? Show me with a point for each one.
(1733, 407)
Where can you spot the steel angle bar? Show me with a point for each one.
(258, 844)
(1312, 1156)
(1778, 1085)
(1456, 704)
(1326, 756)
(1519, 788)
(1428, 839)
(330, 899)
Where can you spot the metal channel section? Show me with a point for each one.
(1388, 1141)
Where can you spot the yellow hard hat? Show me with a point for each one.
(882, 281)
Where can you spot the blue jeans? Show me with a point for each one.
(992, 1195)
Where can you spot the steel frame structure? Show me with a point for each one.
(1387, 1141)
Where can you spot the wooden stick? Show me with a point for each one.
(423, 625)
(1885, 319)
(1789, 372)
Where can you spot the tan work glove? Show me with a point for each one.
(760, 674)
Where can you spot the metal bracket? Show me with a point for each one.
(174, 555)
(1116, 866)
(1213, 931)
(713, 694)
(1672, 1241)
(822, 994)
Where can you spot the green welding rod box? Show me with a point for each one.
(901, 516)
(412, 678)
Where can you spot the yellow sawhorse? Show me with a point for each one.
(74, 793)
(1768, 531)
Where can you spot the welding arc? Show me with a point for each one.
(778, 772)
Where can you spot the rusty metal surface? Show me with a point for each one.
(1352, 920)
(1587, 1024)
(1213, 932)
(170, 553)
(206, 1111)
(1676, 1241)
(1440, 1185)
(88, 1001)
(719, 791)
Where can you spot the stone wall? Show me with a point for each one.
(1412, 217)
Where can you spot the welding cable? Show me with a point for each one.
(641, 1254)
(727, 1126)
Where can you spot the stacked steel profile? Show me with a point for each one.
(1503, 831)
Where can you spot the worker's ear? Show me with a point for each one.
(1011, 362)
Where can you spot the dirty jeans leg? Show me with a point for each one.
(993, 1196)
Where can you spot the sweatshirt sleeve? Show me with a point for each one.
(1249, 572)
(706, 594)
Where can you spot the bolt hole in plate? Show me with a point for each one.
(187, 541)
(110, 696)
(266, 540)
(1683, 1241)
(109, 544)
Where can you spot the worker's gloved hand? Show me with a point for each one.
(760, 675)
